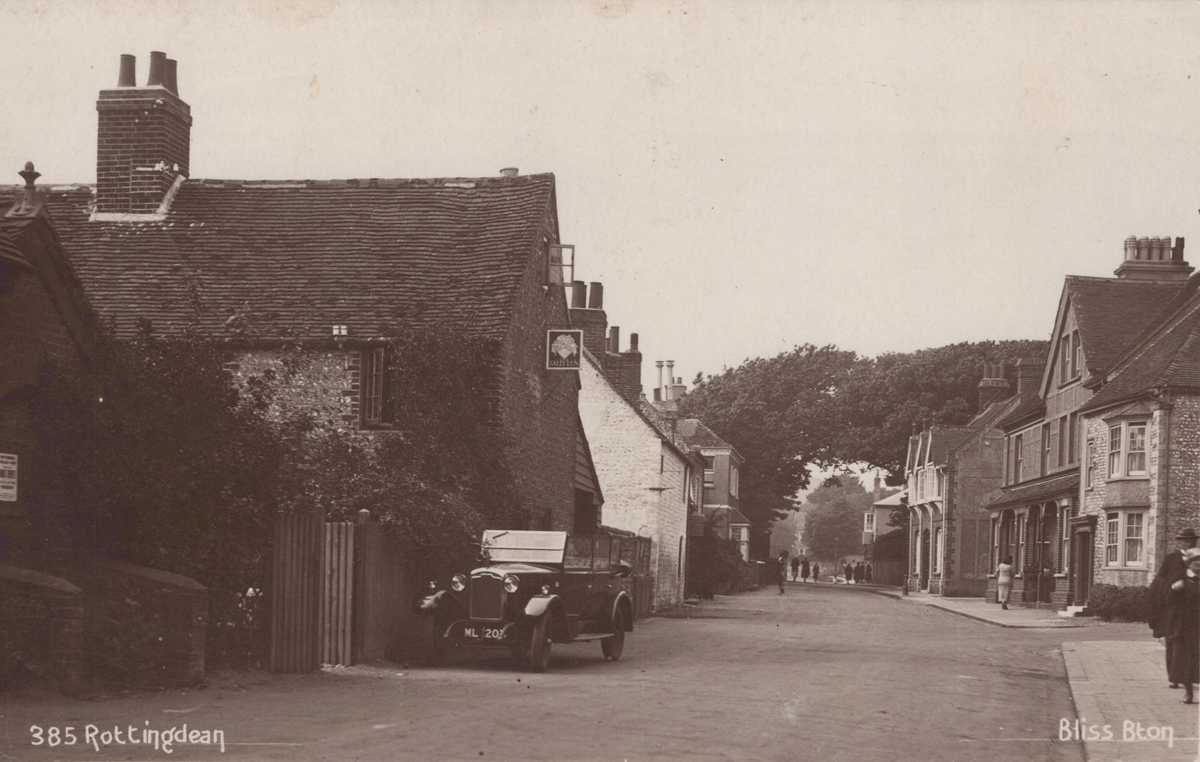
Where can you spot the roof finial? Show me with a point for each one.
(26, 205)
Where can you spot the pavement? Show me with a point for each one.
(1124, 709)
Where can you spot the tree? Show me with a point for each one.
(833, 517)
(777, 413)
(882, 398)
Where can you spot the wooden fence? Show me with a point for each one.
(337, 595)
(295, 592)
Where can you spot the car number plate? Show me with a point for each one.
(476, 632)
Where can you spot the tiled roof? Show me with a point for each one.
(1056, 486)
(699, 435)
(943, 439)
(1030, 408)
(293, 259)
(1170, 359)
(1112, 312)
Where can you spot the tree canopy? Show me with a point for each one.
(824, 407)
(833, 518)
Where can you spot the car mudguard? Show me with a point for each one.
(622, 600)
(540, 604)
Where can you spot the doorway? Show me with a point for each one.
(1083, 566)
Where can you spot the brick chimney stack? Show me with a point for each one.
(1153, 259)
(591, 319)
(143, 142)
(994, 385)
(1029, 377)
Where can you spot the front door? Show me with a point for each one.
(1083, 568)
(925, 559)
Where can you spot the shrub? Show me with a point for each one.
(1122, 604)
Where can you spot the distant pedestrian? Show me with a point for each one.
(1004, 578)
(1172, 568)
(848, 571)
(783, 567)
(795, 567)
(1183, 626)
(858, 573)
(868, 574)
(804, 570)
(816, 572)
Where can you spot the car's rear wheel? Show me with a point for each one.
(432, 645)
(539, 646)
(612, 647)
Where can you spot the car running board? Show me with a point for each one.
(591, 636)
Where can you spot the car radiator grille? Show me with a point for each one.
(487, 598)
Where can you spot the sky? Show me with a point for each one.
(743, 177)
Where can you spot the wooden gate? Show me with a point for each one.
(337, 594)
(381, 617)
(296, 563)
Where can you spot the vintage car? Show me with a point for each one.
(536, 588)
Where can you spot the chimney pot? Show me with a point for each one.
(578, 295)
(128, 74)
(1130, 249)
(1177, 251)
(596, 298)
(158, 69)
(509, 172)
(1143, 248)
(614, 339)
(633, 342)
(171, 83)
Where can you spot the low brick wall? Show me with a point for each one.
(41, 628)
(144, 626)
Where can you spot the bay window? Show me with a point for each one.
(1127, 449)
(1125, 539)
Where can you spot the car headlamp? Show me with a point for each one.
(545, 590)
(511, 582)
(458, 583)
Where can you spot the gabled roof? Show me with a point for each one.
(1169, 359)
(1112, 313)
(28, 243)
(940, 440)
(292, 259)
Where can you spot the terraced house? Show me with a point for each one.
(1047, 517)
(338, 268)
(952, 472)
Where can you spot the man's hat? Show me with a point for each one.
(1187, 534)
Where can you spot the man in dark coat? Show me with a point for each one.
(804, 570)
(795, 567)
(1182, 606)
(858, 573)
(848, 572)
(1172, 569)
(867, 573)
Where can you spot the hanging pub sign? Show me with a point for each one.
(564, 349)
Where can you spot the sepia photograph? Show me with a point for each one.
(622, 380)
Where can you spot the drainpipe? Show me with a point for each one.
(1162, 399)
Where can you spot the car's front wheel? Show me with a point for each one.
(539, 646)
(613, 646)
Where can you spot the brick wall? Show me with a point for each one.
(41, 628)
(32, 333)
(538, 411)
(144, 626)
(143, 134)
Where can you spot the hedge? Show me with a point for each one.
(1122, 604)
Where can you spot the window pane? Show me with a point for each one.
(1114, 528)
(1137, 449)
(1114, 451)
